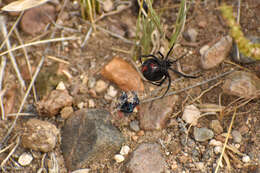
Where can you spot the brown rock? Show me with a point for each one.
(51, 105)
(216, 126)
(40, 135)
(242, 84)
(147, 158)
(35, 19)
(153, 115)
(123, 74)
(217, 53)
(66, 112)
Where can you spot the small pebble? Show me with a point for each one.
(80, 105)
(218, 149)
(100, 86)
(25, 159)
(190, 35)
(61, 86)
(112, 92)
(82, 171)
(66, 112)
(237, 137)
(203, 49)
(119, 158)
(215, 142)
(202, 134)
(124, 150)
(91, 82)
(108, 5)
(191, 114)
(134, 125)
(216, 126)
(246, 159)
(91, 103)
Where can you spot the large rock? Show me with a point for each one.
(89, 136)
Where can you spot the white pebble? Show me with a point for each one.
(100, 86)
(204, 49)
(119, 158)
(61, 86)
(91, 103)
(124, 150)
(218, 149)
(246, 159)
(25, 159)
(82, 171)
(191, 114)
(215, 142)
(111, 91)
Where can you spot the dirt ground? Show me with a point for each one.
(101, 47)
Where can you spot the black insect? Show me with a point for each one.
(155, 70)
(127, 104)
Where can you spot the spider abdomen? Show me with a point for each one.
(151, 70)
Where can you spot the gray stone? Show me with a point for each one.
(134, 125)
(217, 53)
(202, 134)
(216, 126)
(89, 136)
(241, 84)
(190, 35)
(146, 158)
(237, 137)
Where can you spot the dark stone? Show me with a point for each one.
(89, 136)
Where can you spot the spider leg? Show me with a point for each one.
(146, 56)
(169, 83)
(178, 58)
(159, 83)
(161, 55)
(182, 74)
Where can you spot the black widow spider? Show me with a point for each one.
(155, 70)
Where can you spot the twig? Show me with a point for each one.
(87, 37)
(57, 59)
(12, 58)
(10, 32)
(40, 42)
(226, 140)
(11, 153)
(187, 88)
(21, 114)
(207, 90)
(23, 101)
(2, 71)
(27, 61)
(111, 33)
(114, 12)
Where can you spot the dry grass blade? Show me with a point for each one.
(10, 32)
(23, 101)
(225, 156)
(12, 58)
(57, 59)
(39, 42)
(11, 152)
(226, 140)
(22, 5)
(27, 61)
(2, 70)
(193, 86)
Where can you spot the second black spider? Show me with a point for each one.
(155, 69)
